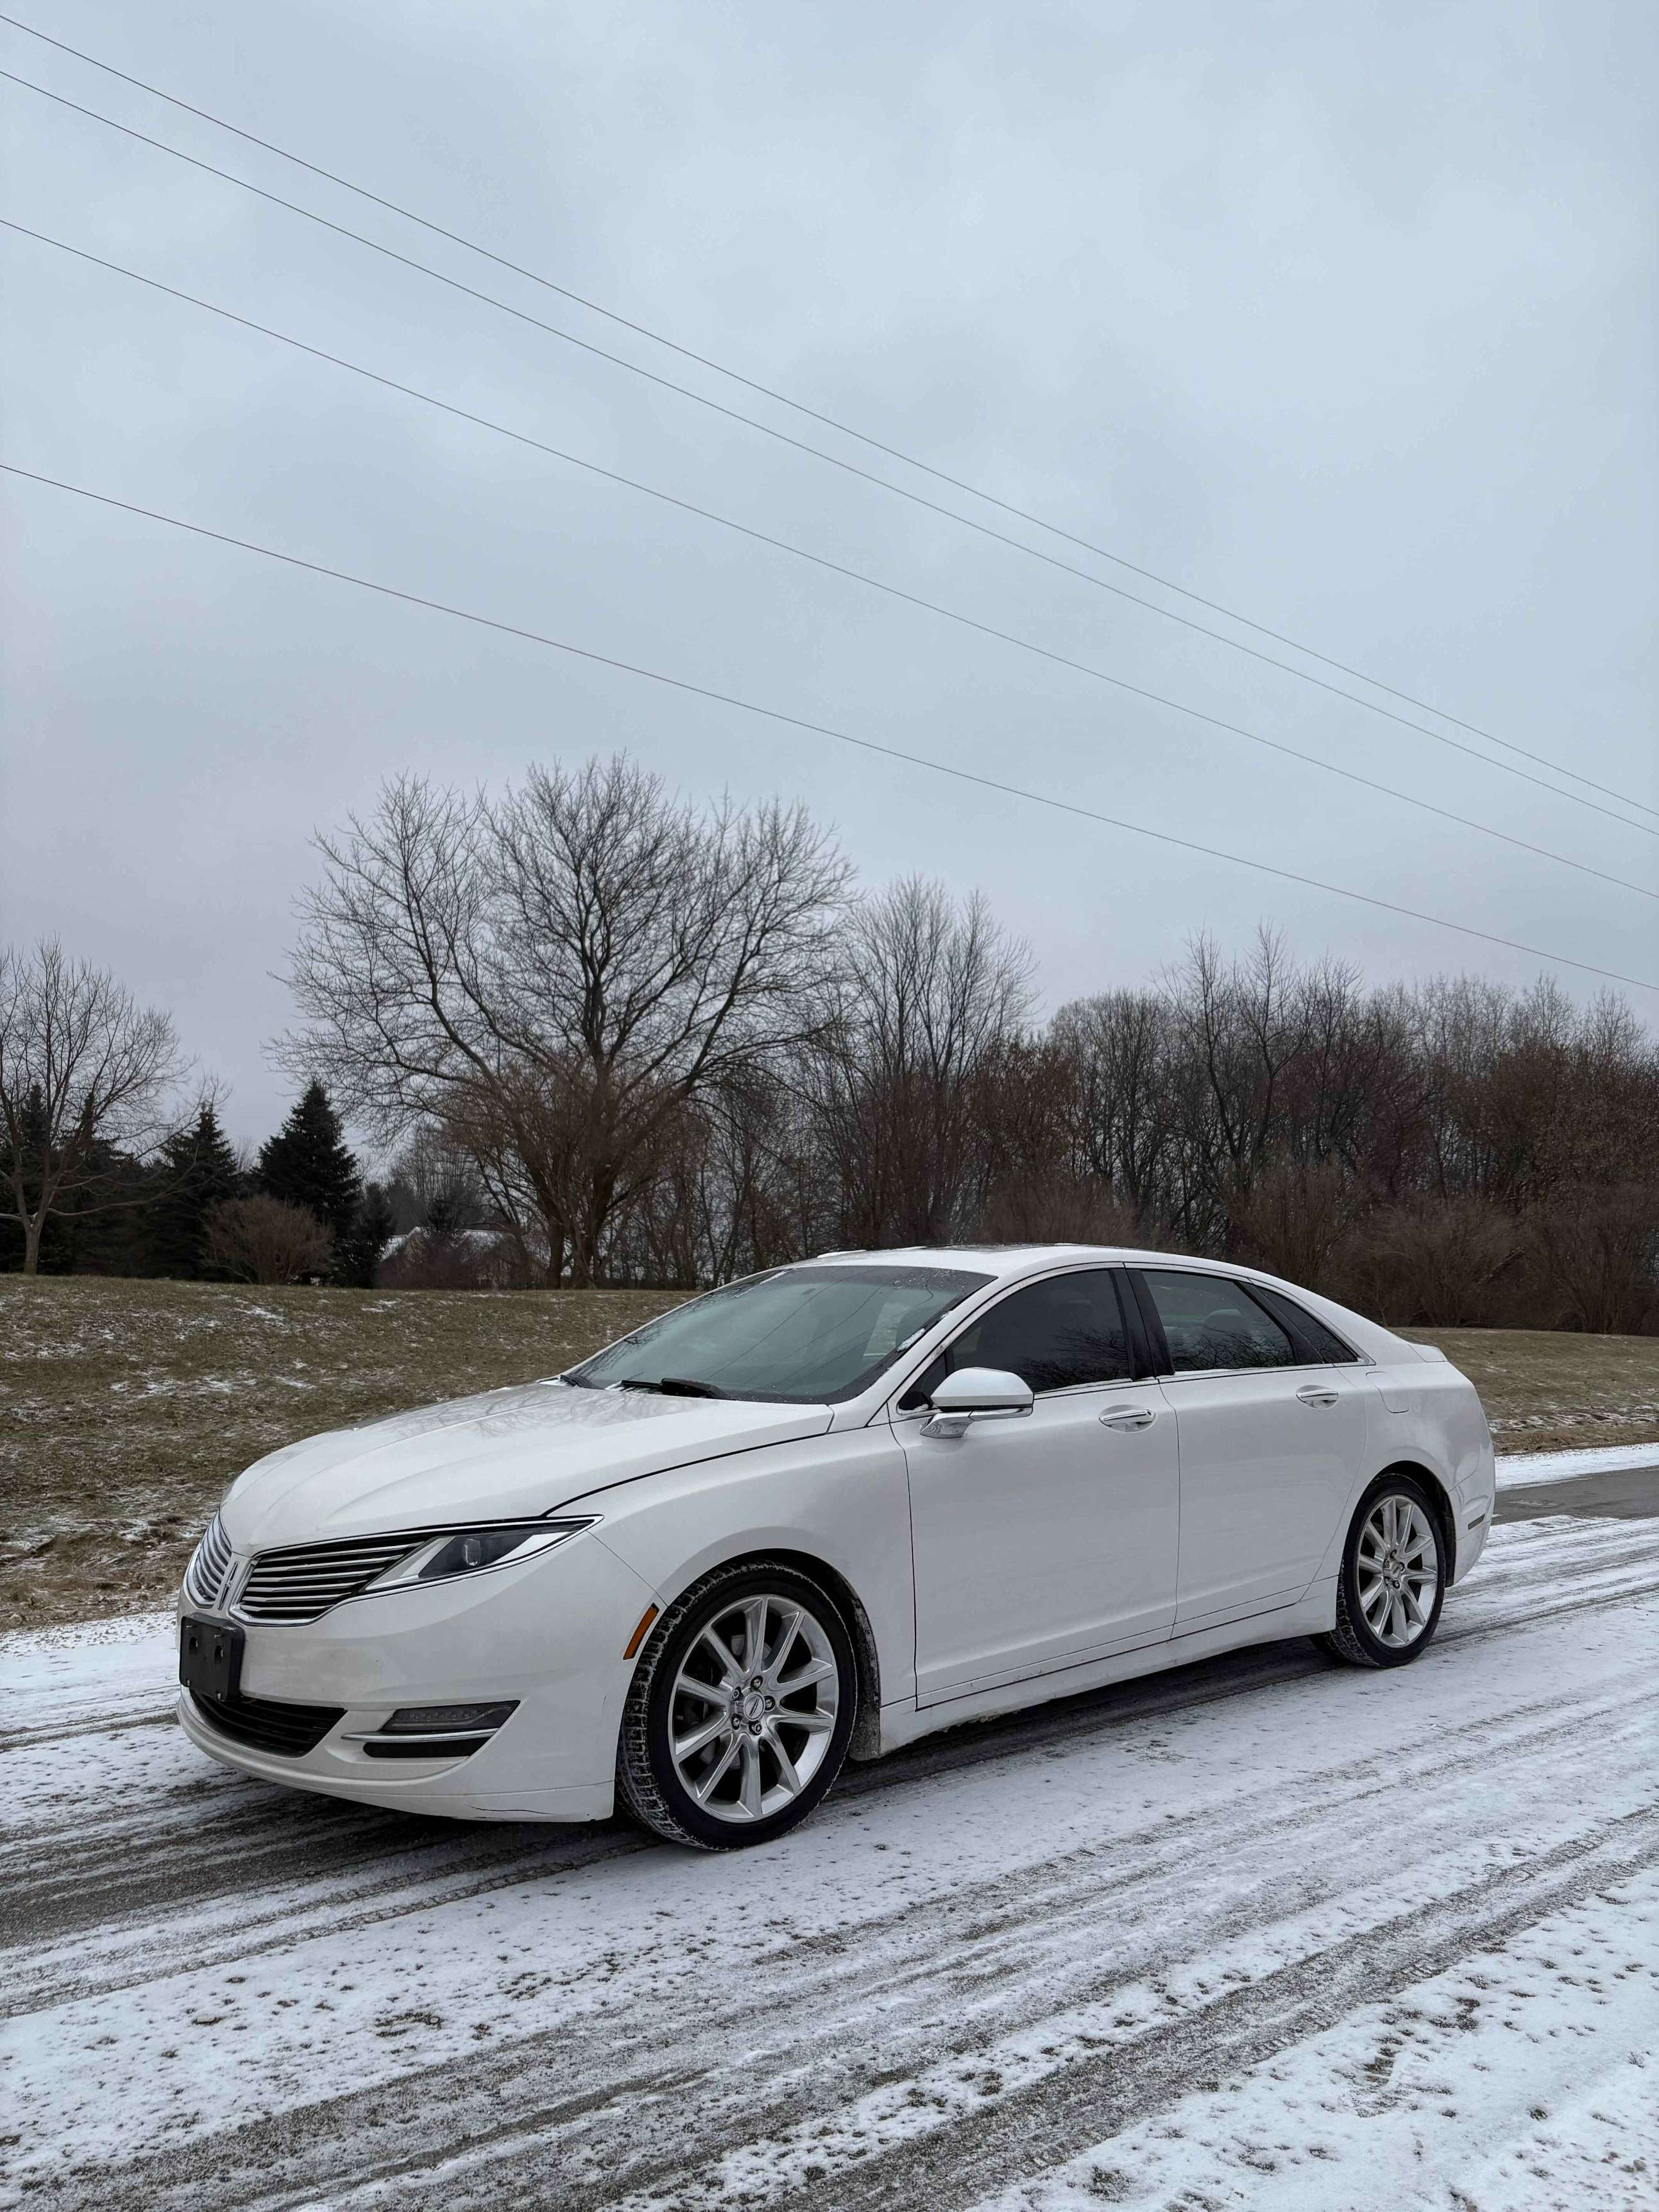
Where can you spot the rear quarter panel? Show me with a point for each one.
(1428, 1414)
(1425, 1413)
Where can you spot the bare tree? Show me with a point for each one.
(555, 978)
(1118, 1047)
(935, 993)
(265, 1239)
(1241, 1026)
(1599, 1249)
(431, 1179)
(1298, 1218)
(1437, 1260)
(85, 1073)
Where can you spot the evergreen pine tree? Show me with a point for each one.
(306, 1164)
(198, 1167)
(358, 1256)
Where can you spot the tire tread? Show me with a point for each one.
(1342, 1640)
(637, 1786)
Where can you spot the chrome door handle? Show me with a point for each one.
(1128, 1417)
(1316, 1394)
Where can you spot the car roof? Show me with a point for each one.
(1011, 1263)
(1008, 1262)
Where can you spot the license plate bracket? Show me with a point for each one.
(209, 1656)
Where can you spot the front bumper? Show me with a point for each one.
(549, 1634)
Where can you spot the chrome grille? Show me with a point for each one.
(206, 1571)
(303, 1582)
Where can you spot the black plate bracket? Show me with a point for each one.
(209, 1656)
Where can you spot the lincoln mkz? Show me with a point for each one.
(822, 1512)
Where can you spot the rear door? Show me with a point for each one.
(1045, 1540)
(1270, 1442)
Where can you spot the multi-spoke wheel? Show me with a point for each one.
(739, 1714)
(1393, 1579)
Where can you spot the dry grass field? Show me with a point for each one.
(125, 1407)
(1546, 1391)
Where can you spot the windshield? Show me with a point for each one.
(805, 1335)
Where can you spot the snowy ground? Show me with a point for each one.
(1264, 1932)
(1517, 1468)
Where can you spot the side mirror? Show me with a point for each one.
(976, 1394)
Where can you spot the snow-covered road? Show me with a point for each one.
(1266, 1931)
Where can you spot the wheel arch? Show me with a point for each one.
(866, 1740)
(1440, 1498)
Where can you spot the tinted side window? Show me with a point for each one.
(1318, 1342)
(1052, 1334)
(1212, 1322)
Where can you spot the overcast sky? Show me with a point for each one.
(1341, 316)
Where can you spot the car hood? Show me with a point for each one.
(518, 1452)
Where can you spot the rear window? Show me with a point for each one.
(1317, 1341)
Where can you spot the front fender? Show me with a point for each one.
(842, 1499)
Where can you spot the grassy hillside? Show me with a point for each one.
(1544, 1390)
(125, 1407)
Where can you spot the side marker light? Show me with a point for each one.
(638, 1635)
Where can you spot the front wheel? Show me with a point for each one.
(740, 1712)
(1393, 1581)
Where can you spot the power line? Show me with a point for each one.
(819, 729)
(822, 561)
(847, 429)
(833, 460)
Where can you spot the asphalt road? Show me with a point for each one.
(1630, 1493)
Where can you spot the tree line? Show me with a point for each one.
(605, 1036)
(189, 1206)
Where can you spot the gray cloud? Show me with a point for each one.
(1343, 318)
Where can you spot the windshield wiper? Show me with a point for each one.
(674, 1386)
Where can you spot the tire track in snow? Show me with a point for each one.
(1059, 2112)
(951, 1982)
(227, 1888)
(116, 1719)
(946, 2132)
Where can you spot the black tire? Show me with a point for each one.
(650, 1786)
(1354, 1638)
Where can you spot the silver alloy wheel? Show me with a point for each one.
(1397, 1571)
(753, 1709)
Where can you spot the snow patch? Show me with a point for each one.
(1517, 1467)
(1520, 2080)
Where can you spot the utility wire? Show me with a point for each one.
(835, 460)
(847, 429)
(819, 729)
(822, 561)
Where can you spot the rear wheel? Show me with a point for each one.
(738, 1716)
(1392, 1581)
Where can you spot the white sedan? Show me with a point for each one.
(826, 1511)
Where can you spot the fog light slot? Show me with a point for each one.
(436, 1731)
(449, 1720)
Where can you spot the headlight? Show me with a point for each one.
(467, 1551)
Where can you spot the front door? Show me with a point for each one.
(1048, 1539)
(1271, 1448)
